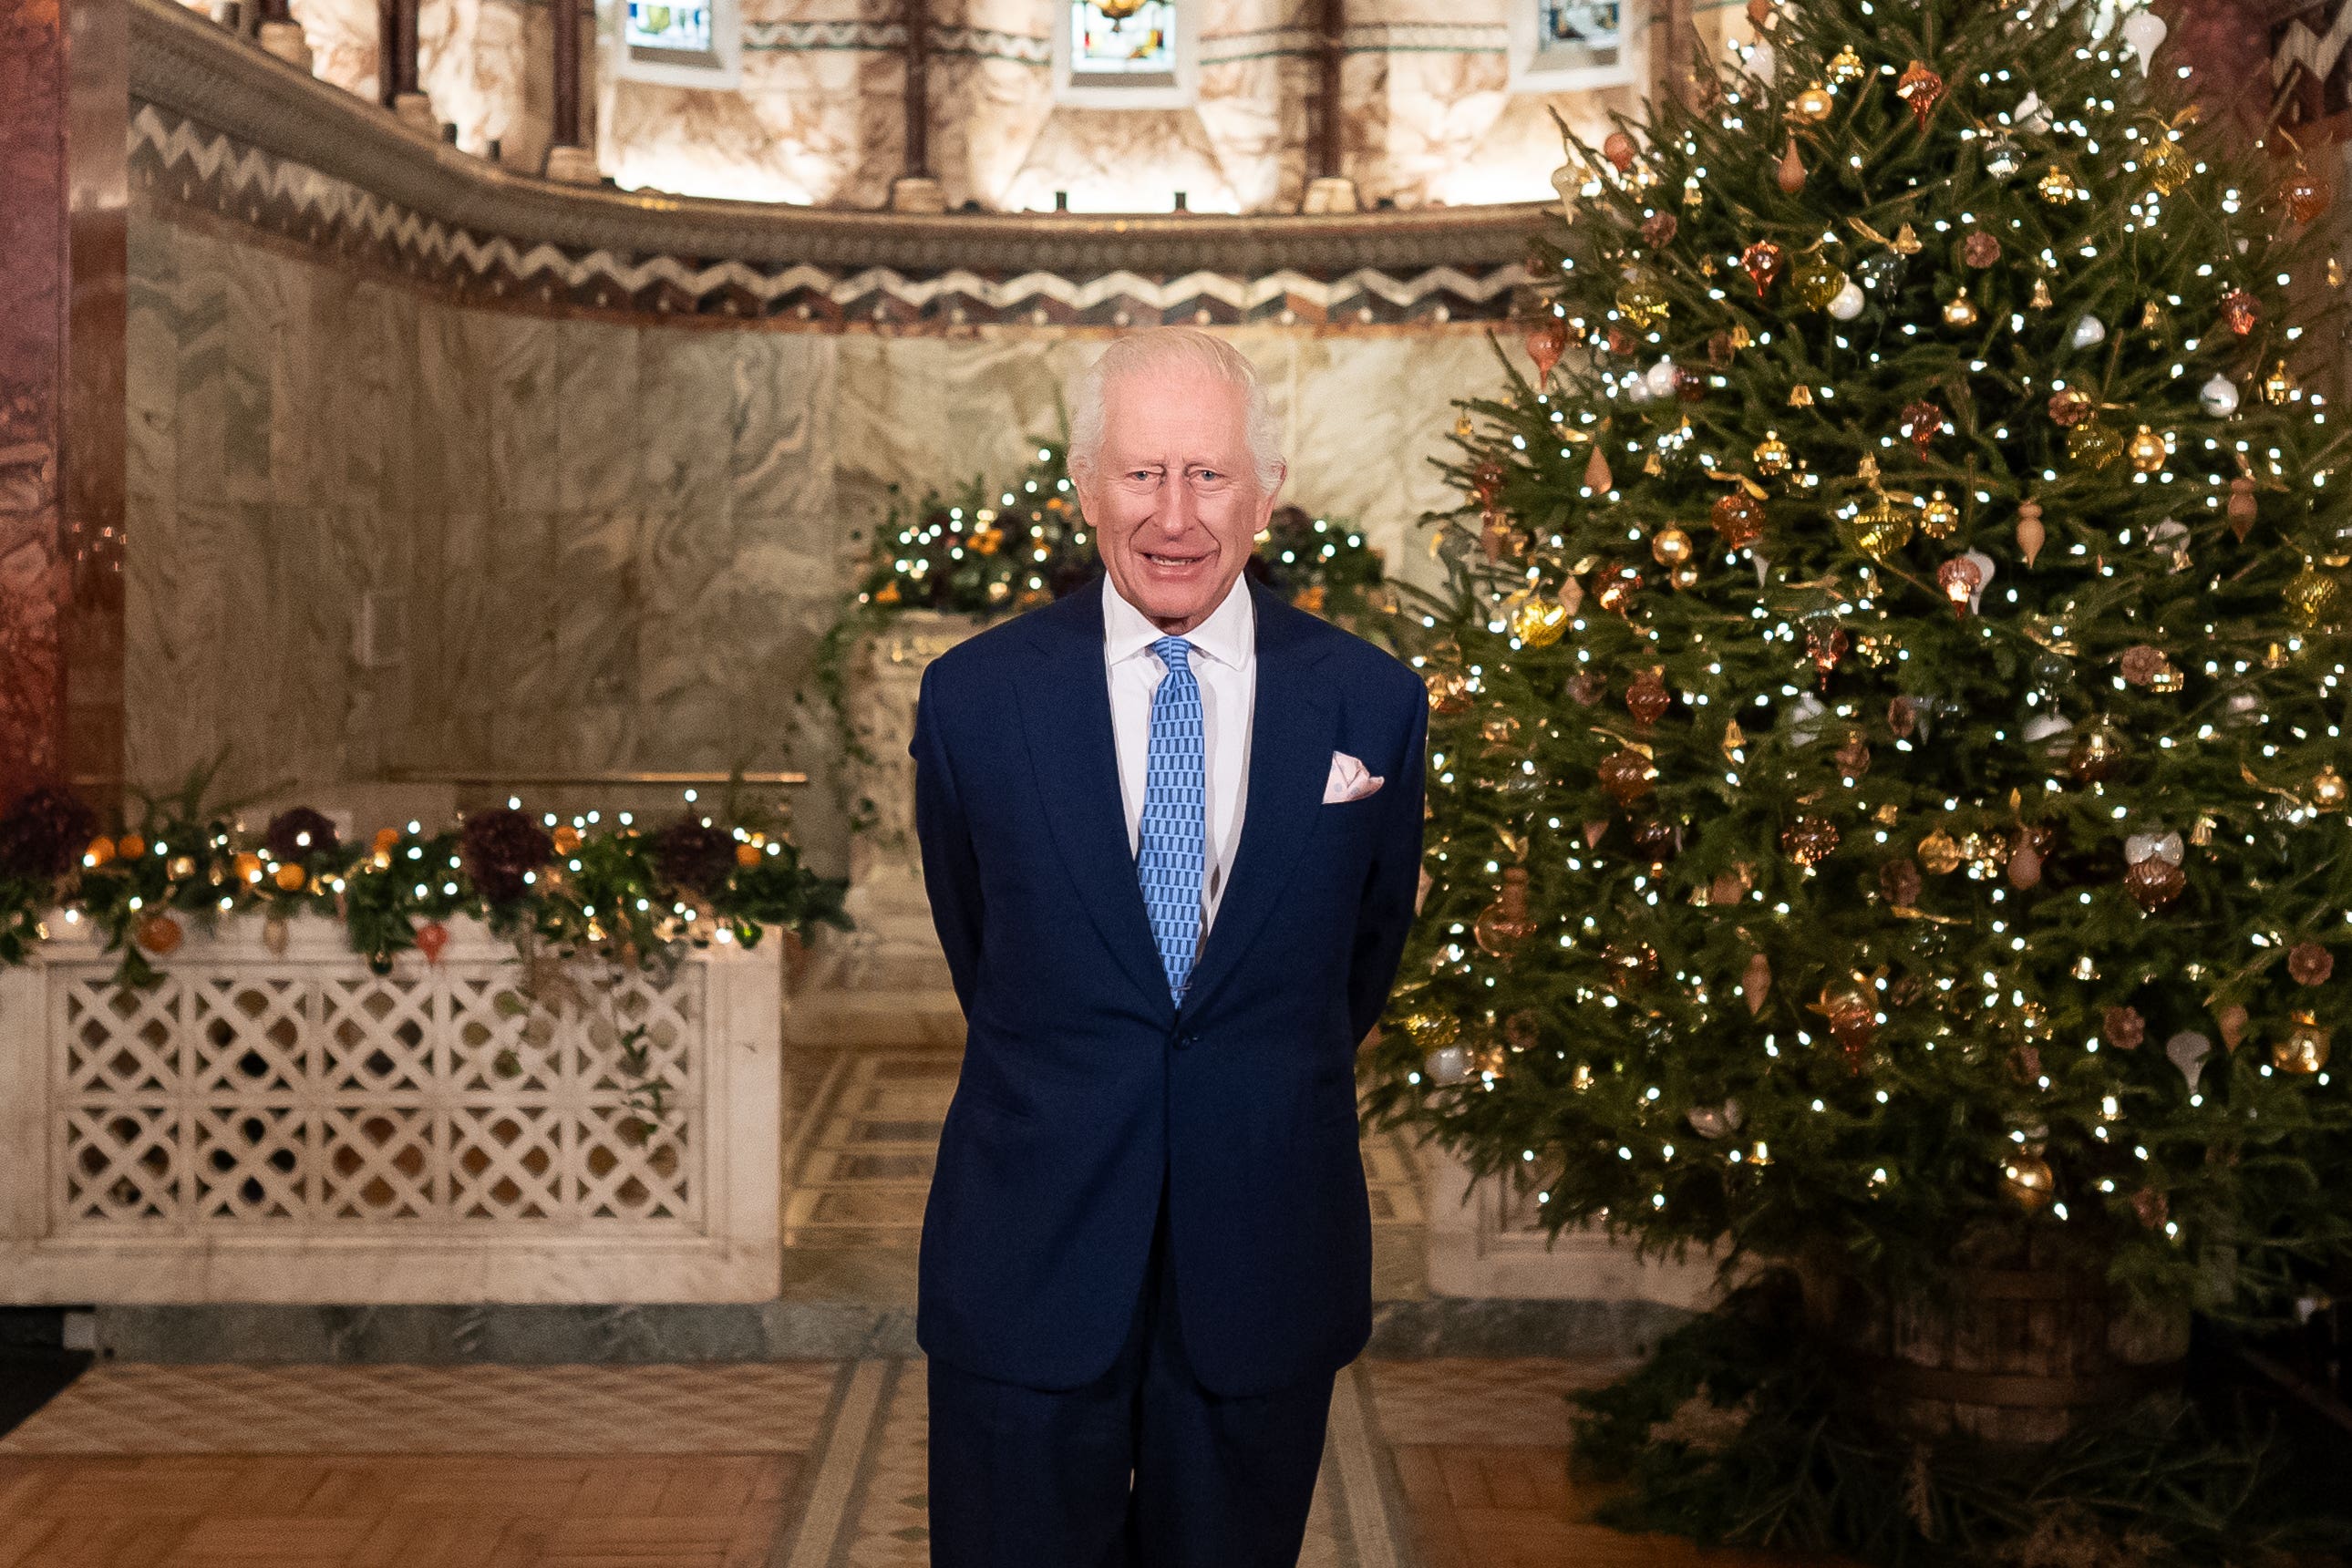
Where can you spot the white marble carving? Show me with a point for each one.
(344, 37)
(471, 63)
(1486, 1242)
(288, 1127)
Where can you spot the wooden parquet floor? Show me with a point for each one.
(377, 1510)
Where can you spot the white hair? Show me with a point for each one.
(1170, 348)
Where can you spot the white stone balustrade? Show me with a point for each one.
(1487, 1241)
(288, 1127)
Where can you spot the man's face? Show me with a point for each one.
(1174, 496)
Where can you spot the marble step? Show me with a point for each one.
(774, 1330)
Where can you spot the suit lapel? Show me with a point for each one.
(1292, 734)
(1066, 719)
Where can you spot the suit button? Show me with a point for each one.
(1186, 1041)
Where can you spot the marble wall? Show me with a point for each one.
(613, 545)
(1430, 112)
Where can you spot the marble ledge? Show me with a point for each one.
(777, 1330)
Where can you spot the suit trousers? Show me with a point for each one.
(1141, 1469)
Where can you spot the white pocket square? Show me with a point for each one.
(1349, 780)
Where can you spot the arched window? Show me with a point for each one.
(1133, 54)
(685, 43)
(1557, 44)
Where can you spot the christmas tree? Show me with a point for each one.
(1887, 766)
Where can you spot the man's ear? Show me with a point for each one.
(1267, 502)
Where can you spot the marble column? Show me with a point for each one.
(917, 189)
(568, 158)
(64, 110)
(1329, 189)
(398, 76)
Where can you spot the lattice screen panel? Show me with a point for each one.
(308, 1097)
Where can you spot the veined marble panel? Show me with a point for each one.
(1254, 118)
(1439, 106)
(471, 64)
(1121, 160)
(613, 542)
(814, 126)
(344, 37)
(985, 116)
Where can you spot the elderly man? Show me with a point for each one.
(1171, 833)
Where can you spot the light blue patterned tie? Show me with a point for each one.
(1171, 849)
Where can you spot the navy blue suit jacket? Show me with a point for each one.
(1083, 1083)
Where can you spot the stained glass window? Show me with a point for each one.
(1128, 43)
(676, 25)
(1579, 32)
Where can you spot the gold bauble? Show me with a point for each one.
(2327, 789)
(1537, 620)
(1816, 282)
(2094, 444)
(748, 853)
(1961, 310)
(1685, 575)
(1846, 67)
(2305, 1049)
(1431, 1031)
(1939, 516)
(2167, 166)
(248, 866)
(1811, 106)
(1642, 303)
(2027, 1180)
(1940, 853)
(1771, 454)
(2278, 386)
(288, 877)
(2146, 450)
(2312, 595)
(100, 850)
(1671, 547)
(1882, 528)
(1449, 691)
(2058, 185)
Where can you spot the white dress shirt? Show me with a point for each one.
(1225, 662)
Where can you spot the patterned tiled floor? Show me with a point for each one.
(1441, 1464)
(696, 1408)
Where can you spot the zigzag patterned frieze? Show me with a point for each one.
(177, 160)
